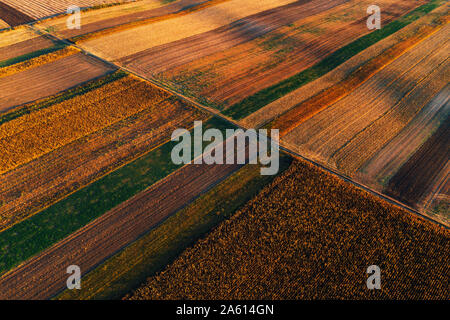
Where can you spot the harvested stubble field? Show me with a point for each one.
(38, 10)
(154, 251)
(394, 154)
(343, 71)
(103, 20)
(419, 175)
(49, 79)
(106, 235)
(226, 78)
(310, 235)
(221, 12)
(3, 24)
(40, 231)
(12, 16)
(35, 134)
(419, 73)
(49, 178)
(37, 61)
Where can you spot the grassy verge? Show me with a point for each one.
(270, 94)
(56, 222)
(66, 95)
(150, 254)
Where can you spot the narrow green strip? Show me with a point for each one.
(144, 258)
(270, 94)
(34, 54)
(56, 222)
(66, 95)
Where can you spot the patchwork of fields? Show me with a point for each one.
(86, 170)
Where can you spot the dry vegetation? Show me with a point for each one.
(38, 61)
(39, 183)
(310, 236)
(228, 77)
(123, 43)
(3, 24)
(324, 135)
(35, 134)
(38, 10)
(307, 109)
(49, 79)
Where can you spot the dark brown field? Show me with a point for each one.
(12, 16)
(24, 47)
(310, 235)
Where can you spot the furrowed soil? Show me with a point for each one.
(123, 43)
(97, 21)
(43, 181)
(292, 242)
(24, 47)
(418, 175)
(323, 135)
(45, 273)
(12, 16)
(49, 79)
(332, 78)
(165, 57)
(38, 10)
(226, 78)
(33, 135)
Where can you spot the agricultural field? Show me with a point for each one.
(308, 236)
(38, 10)
(92, 119)
(48, 79)
(251, 53)
(347, 134)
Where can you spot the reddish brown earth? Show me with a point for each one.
(164, 57)
(12, 16)
(24, 47)
(415, 178)
(49, 79)
(132, 17)
(45, 275)
(43, 181)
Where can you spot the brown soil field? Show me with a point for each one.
(289, 101)
(24, 47)
(33, 135)
(162, 58)
(101, 19)
(12, 16)
(38, 10)
(419, 174)
(310, 235)
(38, 61)
(45, 275)
(227, 77)
(123, 43)
(43, 181)
(394, 154)
(307, 109)
(323, 135)
(3, 24)
(49, 79)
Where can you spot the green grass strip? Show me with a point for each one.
(34, 54)
(66, 95)
(56, 222)
(258, 100)
(150, 254)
